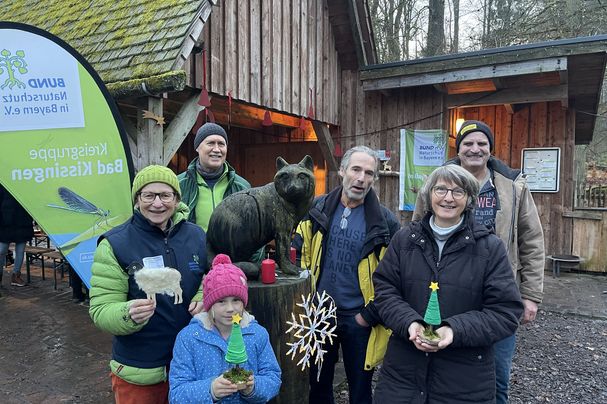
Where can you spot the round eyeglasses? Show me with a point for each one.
(441, 192)
(149, 197)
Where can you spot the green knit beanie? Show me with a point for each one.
(152, 174)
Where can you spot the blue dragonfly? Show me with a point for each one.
(76, 203)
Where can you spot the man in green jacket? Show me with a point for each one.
(209, 178)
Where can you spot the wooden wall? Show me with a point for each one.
(374, 119)
(544, 124)
(590, 239)
(272, 53)
(253, 153)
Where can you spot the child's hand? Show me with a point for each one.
(250, 386)
(222, 387)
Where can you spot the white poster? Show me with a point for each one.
(541, 166)
(39, 84)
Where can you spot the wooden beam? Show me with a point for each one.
(131, 131)
(243, 112)
(488, 57)
(509, 108)
(149, 135)
(508, 96)
(441, 88)
(498, 83)
(325, 141)
(580, 214)
(180, 126)
(470, 86)
(483, 72)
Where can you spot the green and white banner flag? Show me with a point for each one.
(65, 157)
(421, 152)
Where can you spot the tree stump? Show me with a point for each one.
(272, 306)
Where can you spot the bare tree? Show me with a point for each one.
(435, 44)
(455, 40)
(403, 26)
(396, 24)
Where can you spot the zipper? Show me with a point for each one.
(511, 238)
(317, 264)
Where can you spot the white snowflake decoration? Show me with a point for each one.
(312, 330)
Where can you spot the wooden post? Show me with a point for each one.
(272, 306)
(150, 138)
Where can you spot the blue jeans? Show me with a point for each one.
(504, 352)
(353, 340)
(19, 252)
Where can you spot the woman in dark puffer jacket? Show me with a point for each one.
(466, 267)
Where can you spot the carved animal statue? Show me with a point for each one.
(160, 280)
(247, 220)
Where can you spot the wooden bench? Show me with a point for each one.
(59, 263)
(40, 238)
(34, 253)
(563, 261)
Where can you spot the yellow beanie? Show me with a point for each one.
(152, 174)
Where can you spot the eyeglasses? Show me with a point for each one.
(343, 223)
(441, 192)
(149, 197)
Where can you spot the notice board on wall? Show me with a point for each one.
(542, 166)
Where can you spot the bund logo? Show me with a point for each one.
(439, 141)
(12, 64)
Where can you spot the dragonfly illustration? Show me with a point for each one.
(76, 203)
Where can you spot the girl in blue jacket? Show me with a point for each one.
(196, 372)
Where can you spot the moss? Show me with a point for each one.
(429, 336)
(115, 26)
(237, 375)
(167, 82)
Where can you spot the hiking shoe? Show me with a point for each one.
(16, 280)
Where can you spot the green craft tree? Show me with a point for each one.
(237, 352)
(432, 315)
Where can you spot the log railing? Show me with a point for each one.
(588, 195)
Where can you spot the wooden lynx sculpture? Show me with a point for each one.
(247, 220)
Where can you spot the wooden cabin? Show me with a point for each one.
(310, 68)
(538, 95)
(284, 58)
(273, 71)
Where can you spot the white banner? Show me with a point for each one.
(39, 84)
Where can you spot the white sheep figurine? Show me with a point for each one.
(160, 280)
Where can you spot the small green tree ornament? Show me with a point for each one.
(432, 317)
(237, 354)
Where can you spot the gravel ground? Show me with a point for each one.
(559, 359)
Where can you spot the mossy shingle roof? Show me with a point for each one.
(122, 39)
